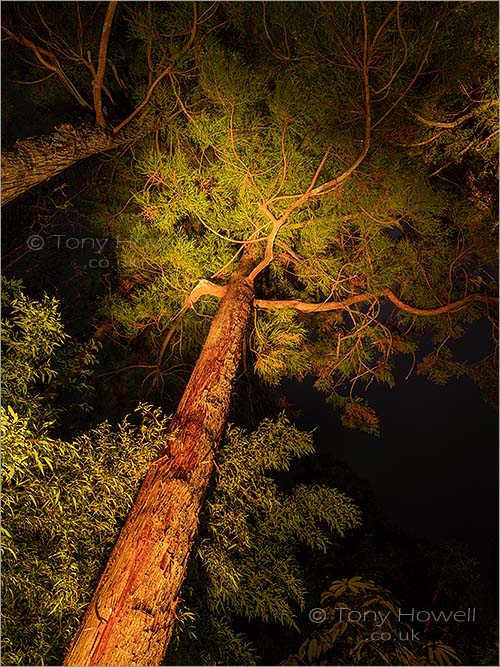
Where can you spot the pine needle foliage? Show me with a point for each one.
(247, 563)
(280, 350)
(268, 99)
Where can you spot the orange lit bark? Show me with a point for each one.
(132, 613)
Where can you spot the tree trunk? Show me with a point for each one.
(132, 613)
(36, 159)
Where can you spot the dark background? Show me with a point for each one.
(434, 468)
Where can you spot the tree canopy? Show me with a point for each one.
(340, 161)
(325, 153)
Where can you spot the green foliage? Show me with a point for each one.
(357, 415)
(63, 505)
(280, 348)
(247, 562)
(257, 97)
(32, 333)
(240, 131)
(62, 502)
(485, 373)
(39, 360)
(439, 368)
(361, 626)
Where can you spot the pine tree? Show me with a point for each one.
(63, 502)
(292, 176)
(274, 178)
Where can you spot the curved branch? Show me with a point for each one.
(449, 308)
(304, 307)
(332, 184)
(134, 113)
(327, 306)
(387, 86)
(313, 191)
(167, 72)
(202, 288)
(335, 182)
(205, 287)
(192, 35)
(415, 77)
(49, 60)
(459, 121)
(173, 322)
(277, 223)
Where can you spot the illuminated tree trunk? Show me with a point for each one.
(132, 613)
(36, 159)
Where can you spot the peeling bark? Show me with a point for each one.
(36, 159)
(132, 613)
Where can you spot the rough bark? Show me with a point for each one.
(132, 613)
(36, 159)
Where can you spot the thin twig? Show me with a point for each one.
(134, 113)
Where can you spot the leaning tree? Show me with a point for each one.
(81, 55)
(321, 201)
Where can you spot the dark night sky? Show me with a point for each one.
(434, 468)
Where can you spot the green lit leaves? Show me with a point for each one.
(312, 512)
(279, 340)
(38, 358)
(226, 79)
(256, 452)
(32, 332)
(248, 555)
(63, 503)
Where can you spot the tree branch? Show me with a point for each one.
(269, 252)
(335, 182)
(387, 86)
(98, 81)
(449, 308)
(412, 82)
(338, 180)
(459, 121)
(134, 113)
(202, 288)
(49, 60)
(312, 191)
(327, 306)
(205, 287)
(303, 307)
(454, 159)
